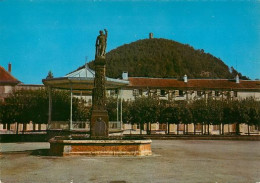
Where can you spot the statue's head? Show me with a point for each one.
(101, 32)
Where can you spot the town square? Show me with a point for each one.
(129, 91)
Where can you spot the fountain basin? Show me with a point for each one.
(97, 147)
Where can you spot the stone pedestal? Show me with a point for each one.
(99, 123)
(99, 117)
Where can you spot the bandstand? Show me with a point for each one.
(80, 83)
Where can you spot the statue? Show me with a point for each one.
(99, 115)
(101, 44)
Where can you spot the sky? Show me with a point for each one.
(37, 36)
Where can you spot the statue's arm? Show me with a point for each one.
(105, 32)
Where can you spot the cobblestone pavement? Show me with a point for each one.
(172, 161)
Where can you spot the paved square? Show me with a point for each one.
(172, 161)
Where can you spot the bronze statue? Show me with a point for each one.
(101, 44)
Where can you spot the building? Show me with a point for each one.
(9, 84)
(190, 89)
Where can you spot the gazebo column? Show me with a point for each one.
(117, 104)
(50, 107)
(121, 109)
(71, 127)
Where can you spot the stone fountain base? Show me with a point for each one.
(110, 147)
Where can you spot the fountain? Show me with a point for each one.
(99, 142)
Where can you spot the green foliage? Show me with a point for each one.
(214, 112)
(24, 106)
(1, 111)
(143, 110)
(170, 114)
(32, 105)
(111, 106)
(165, 58)
(199, 111)
(126, 111)
(210, 112)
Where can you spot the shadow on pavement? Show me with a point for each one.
(40, 152)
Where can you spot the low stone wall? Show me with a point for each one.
(198, 137)
(100, 147)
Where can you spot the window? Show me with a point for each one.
(235, 93)
(181, 93)
(138, 126)
(113, 92)
(171, 94)
(199, 93)
(217, 93)
(140, 92)
(176, 92)
(163, 93)
(210, 94)
(137, 92)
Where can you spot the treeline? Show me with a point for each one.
(24, 106)
(198, 112)
(165, 58)
(32, 105)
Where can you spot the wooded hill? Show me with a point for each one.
(164, 58)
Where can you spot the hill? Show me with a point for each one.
(164, 58)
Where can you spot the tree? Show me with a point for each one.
(185, 115)
(19, 107)
(199, 113)
(24, 106)
(250, 112)
(227, 113)
(111, 106)
(215, 114)
(171, 115)
(144, 110)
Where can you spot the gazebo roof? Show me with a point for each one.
(82, 79)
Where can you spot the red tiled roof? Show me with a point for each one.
(7, 78)
(194, 83)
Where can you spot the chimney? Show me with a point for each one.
(237, 79)
(125, 75)
(150, 35)
(185, 78)
(9, 67)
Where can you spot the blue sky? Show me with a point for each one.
(38, 36)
